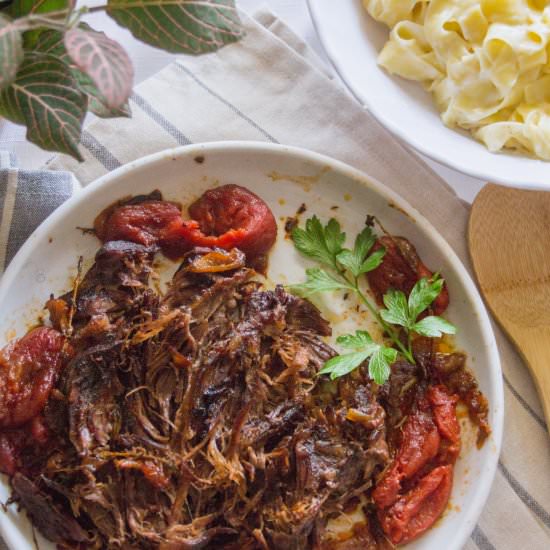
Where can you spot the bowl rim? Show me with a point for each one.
(408, 138)
(488, 472)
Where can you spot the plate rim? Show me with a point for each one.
(406, 138)
(472, 514)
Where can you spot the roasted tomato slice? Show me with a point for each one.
(418, 509)
(420, 444)
(400, 269)
(226, 217)
(140, 223)
(28, 371)
(444, 409)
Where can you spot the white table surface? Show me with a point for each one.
(148, 60)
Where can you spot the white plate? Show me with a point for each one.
(48, 259)
(352, 40)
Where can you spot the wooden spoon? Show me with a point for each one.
(509, 239)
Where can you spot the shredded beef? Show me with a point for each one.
(195, 419)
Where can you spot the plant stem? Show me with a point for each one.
(409, 342)
(407, 352)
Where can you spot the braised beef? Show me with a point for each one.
(195, 419)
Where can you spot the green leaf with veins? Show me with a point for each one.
(44, 96)
(356, 261)
(334, 237)
(11, 51)
(340, 365)
(179, 26)
(20, 8)
(373, 261)
(51, 42)
(397, 310)
(433, 327)
(322, 243)
(380, 364)
(381, 357)
(424, 292)
(403, 312)
(360, 339)
(318, 280)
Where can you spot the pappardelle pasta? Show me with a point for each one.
(487, 63)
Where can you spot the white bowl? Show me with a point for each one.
(48, 259)
(352, 40)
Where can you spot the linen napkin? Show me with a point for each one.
(271, 87)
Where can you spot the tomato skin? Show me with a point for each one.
(225, 217)
(181, 236)
(400, 269)
(28, 371)
(419, 509)
(420, 444)
(444, 410)
(140, 223)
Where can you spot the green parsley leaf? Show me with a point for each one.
(363, 243)
(423, 294)
(318, 280)
(354, 260)
(360, 339)
(373, 261)
(344, 364)
(380, 364)
(318, 242)
(380, 356)
(397, 312)
(334, 237)
(433, 327)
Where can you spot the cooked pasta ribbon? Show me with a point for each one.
(486, 62)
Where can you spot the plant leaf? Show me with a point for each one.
(360, 339)
(44, 96)
(320, 243)
(179, 26)
(423, 294)
(346, 258)
(19, 8)
(354, 260)
(397, 312)
(344, 364)
(433, 327)
(334, 237)
(318, 280)
(380, 363)
(104, 61)
(11, 51)
(364, 242)
(373, 261)
(51, 42)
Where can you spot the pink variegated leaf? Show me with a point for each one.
(105, 61)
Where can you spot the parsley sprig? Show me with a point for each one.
(325, 244)
(380, 357)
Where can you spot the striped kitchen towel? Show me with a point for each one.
(27, 197)
(270, 87)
